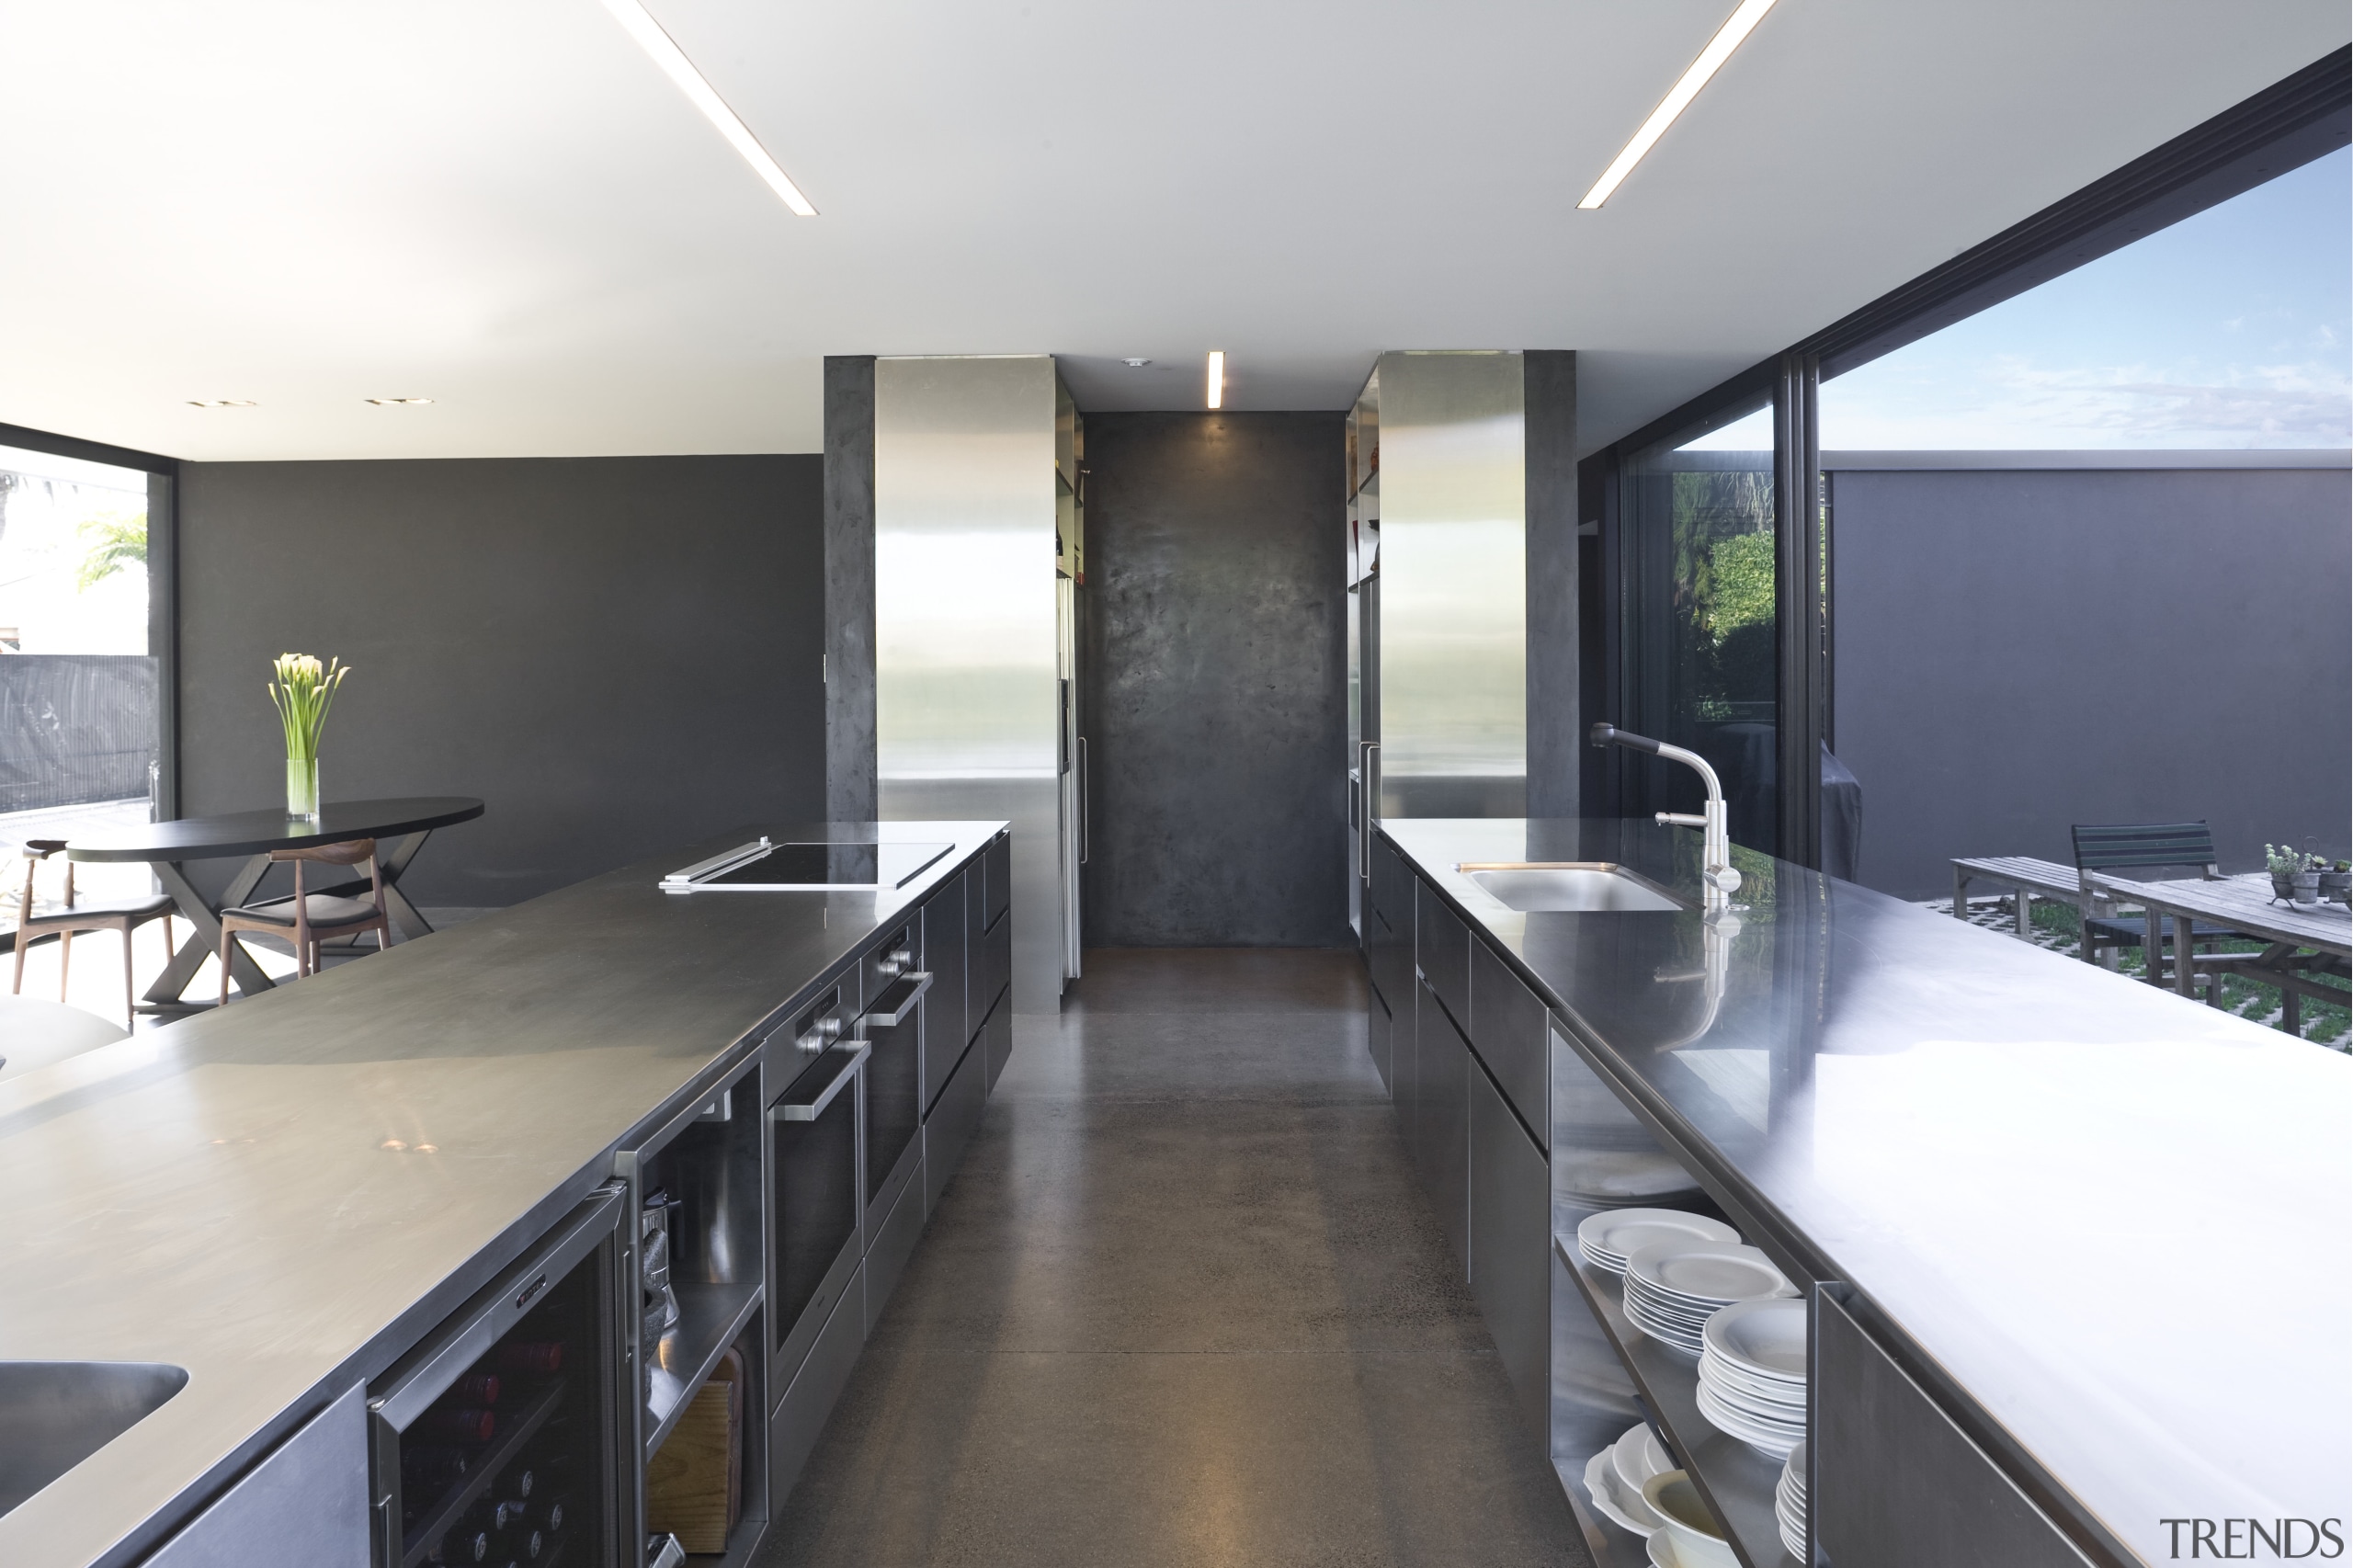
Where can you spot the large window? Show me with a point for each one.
(2091, 562)
(77, 678)
(1701, 512)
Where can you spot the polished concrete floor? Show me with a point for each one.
(1184, 1304)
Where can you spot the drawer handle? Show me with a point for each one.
(904, 1008)
(811, 1108)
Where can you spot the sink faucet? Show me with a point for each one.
(1718, 880)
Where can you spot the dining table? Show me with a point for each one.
(169, 846)
(2302, 941)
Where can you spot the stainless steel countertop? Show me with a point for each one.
(2117, 1219)
(248, 1193)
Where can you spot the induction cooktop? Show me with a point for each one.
(763, 867)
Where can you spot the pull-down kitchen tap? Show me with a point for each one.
(1718, 880)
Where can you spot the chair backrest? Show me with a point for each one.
(2106, 846)
(349, 853)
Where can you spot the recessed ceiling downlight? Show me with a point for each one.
(1679, 97)
(399, 401)
(640, 25)
(1135, 364)
(222, 403)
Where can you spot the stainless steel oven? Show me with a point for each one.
(501, 1436)
(893, 1026)
(816, 1164)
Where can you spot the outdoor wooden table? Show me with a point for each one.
(169, 845)
(2244, 903)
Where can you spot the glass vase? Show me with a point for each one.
(303, 788)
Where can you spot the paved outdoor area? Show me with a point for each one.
(2055, 929)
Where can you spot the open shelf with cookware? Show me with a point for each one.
(1661, 1339)
(697, 1199)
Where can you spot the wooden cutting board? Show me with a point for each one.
(694, 1485)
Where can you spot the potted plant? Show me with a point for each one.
(2337, 883)
(2295, 876)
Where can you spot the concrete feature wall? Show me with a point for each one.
(1215, 669)
(2018, 650)
(619, 655)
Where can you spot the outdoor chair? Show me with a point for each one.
(310, 918)
(35, 920)
(2104, 848)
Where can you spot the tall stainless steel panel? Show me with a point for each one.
(1453, 568)
(968, 704)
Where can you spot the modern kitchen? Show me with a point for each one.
(1598, 815)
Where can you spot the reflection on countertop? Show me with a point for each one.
(2117, 1219)
(279, 1195)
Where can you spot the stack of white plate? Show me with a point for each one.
(1614, 1478)
(1673, 1288)
(1788, 1503)
(1752, 1374)
(1611, 1178)
(1607, 1240)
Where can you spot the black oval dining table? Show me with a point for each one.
(169, 845)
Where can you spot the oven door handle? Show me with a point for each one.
(904, 1008)
(793, 1108)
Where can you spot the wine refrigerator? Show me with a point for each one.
(497, 1442)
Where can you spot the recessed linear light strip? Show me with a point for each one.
(650, 35)
(1217, 378)
(1679, 97)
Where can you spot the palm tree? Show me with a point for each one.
(111, 541)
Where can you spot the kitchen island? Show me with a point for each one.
(2076, 1248)
(283, 1196)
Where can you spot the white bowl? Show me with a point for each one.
(1690, 1525)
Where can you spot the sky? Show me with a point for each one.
(2232, 328)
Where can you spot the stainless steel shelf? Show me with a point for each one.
(711, 1318)
(1613, 1545)
(1736, 1480)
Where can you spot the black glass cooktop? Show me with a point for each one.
(828, 865)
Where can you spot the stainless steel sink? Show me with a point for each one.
(55, 1414)
(1545, 887)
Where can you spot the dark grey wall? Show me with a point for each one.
(618, 654)
(1215, 670)
(1554, 763)
(851, 786)
(2016, 651)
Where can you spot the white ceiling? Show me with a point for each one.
(505, 207)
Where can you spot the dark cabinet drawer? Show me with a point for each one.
(1895, 1481)
(1510, 1261)
(1377, 1033)
(945, 1029)
(1508, 1030)
(1442, 948)
(1443, 1071)
(1392, 888)
(954, 1118)
(996, 875)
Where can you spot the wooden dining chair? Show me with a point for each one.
(310, 918)
(35, 919)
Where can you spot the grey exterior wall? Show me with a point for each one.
(2014, 652)
(1214, 670)
(618, 654)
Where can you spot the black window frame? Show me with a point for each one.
(2302, 117)
(163, 582)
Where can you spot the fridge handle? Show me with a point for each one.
(1086, 806)
(1364, 820)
